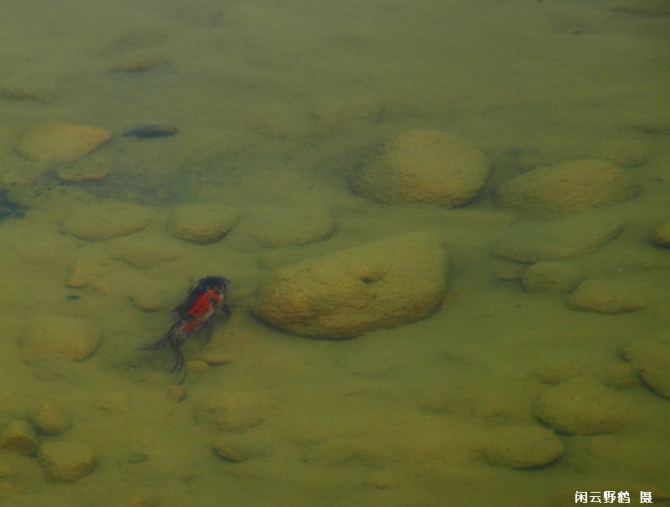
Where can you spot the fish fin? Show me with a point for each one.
(167, 340)
(225, 311)
(204, 332)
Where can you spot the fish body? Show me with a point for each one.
(206, 298)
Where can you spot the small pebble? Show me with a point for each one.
(151, 130)
(137, 458)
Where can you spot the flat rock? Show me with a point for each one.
(103, 221)
(60, 142)
(202, 223)
(235, 411)
(293, 226)
(19, 438)
(424, 166)
(550, 277)
(560, 238)
(66, 461)
(522, 446)
(237, 449)
(58, 337)
(568, 187)
(609, 296)
(651, 359)
(581, 406)
(379, 285)
(84, 170)
(144, 251)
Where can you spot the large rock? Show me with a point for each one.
(424, 166)
(60, 142)
(378, 285)
(568, 187)
(59, 337)
(102, 221)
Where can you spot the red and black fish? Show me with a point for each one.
(205, 299)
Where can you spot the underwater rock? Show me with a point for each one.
(19, 438)
(625, 152)
(651, 359)
(84, 170)
(550, 277)
(237, 449)
(609, 296)
(293, 226)
(66, 461)
(50, 419)
(424, 166)
(58, 337)
(560, 238)
(662, 235)
(144, 251)
(581, 406)
(522, 446)
(379, 285)
(60, 142)
(567, 187)
(235, 411)
(103, 221)
(202, 223)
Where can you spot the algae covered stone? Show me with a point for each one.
(60, 142)
(379, 285)
(103, 221)
(202, 223)
(66, 461)
(568, 187)
(581, 406)
(59, 337)
(522, 446)
(424, 166)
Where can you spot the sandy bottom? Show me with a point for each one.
(277, 105)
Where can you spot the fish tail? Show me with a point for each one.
(172, 339)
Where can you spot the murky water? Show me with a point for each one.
(277, 105)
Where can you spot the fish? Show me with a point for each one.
(205, 299)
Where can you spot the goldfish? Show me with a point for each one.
(205, 299)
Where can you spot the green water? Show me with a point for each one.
(277, 105)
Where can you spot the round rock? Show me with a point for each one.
(568, 187)
(66, 461)
(651, 359)
(609, 296)
(236, 411)
(202, 223)
(424, 166)
(60, 142)
(522, 447)
(102, 221)
(581, 406)
(379, 285)
(59, 337)
(50, 419)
